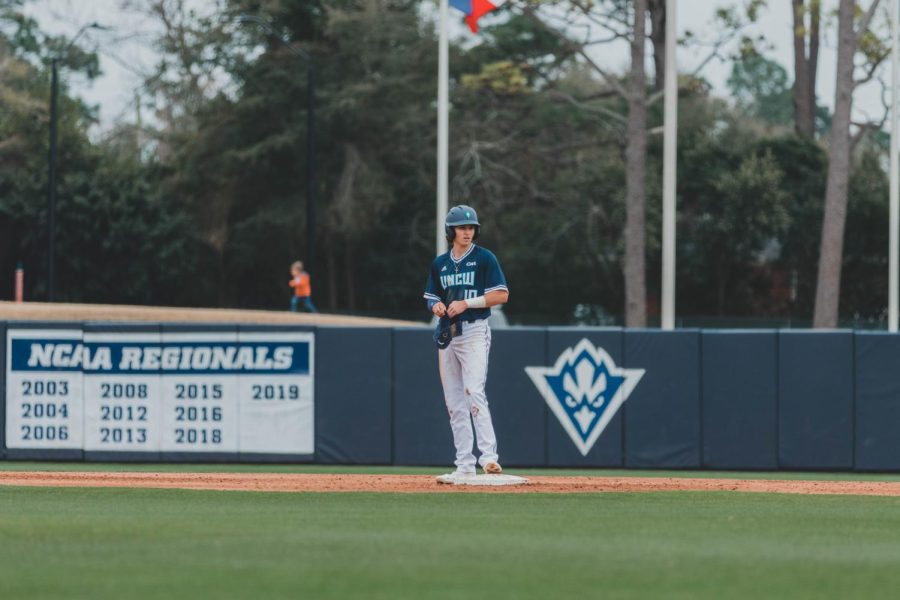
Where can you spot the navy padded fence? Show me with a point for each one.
(421, 425)
(740, 400)
(713, 399)
(815, 383)
(517, 409)
(607, 450)
(877, 402)
(353, 395)
(662, 416)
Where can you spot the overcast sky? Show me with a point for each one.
(126, 50)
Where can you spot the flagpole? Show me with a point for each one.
(443, 128)
(894, 220)
(670, 134)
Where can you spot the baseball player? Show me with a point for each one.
(462, 286)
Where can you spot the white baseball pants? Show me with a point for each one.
(463, 366)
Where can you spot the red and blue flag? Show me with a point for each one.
(475, 9)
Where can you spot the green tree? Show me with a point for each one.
(117, 240)
(762, 90)
(803, 164)
(865, 251)
(734, 214)
(240, 170)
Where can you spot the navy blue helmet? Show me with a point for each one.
(460, 215)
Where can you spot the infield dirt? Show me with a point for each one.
(279, 482)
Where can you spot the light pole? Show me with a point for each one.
(309, 260)
(51, 163)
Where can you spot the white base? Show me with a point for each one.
(450, 478)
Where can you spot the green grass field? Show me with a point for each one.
(131, 543)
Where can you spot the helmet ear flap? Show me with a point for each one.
(450, 233)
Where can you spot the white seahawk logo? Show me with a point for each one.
(584, 389)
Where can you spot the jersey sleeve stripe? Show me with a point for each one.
(495, 288)
(430, 297)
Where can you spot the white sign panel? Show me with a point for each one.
(43, 388)
(175, 392)
(121, 400)
(200, 392)
(276, 397)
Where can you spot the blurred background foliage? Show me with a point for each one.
(204, 204)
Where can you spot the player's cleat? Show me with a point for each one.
(492, 468)
(455, 477)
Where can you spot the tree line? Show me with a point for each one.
(200, 199)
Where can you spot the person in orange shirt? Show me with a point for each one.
(302, 289)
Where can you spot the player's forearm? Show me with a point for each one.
(488, 300)
(496, 297)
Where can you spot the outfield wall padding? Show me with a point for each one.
(877, 432)
(662, 416)
(517, 411)
(607, 451)
(714, 399)
(353, 395)
(420, 422)
(740, 400)
(816, 380)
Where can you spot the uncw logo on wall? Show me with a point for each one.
(584, 389)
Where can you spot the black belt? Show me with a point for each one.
(472, 320)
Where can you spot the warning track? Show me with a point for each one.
(279, 482)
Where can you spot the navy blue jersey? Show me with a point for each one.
(475, 274)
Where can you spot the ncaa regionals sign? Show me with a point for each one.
(584, 389)
(173, 392)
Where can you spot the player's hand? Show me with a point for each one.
(439, 309)
(456, 307)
